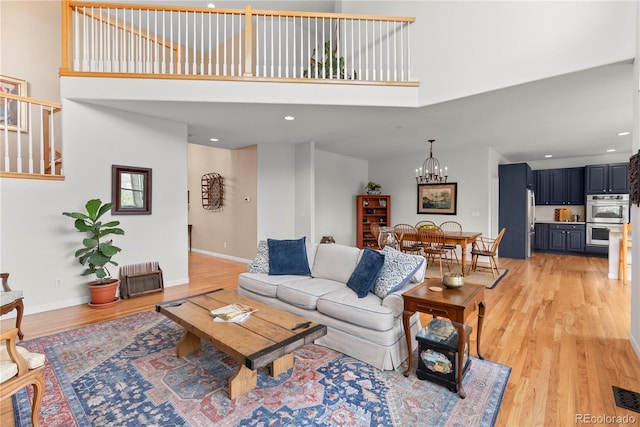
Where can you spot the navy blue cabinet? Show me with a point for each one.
(514, 180)
(607, 179)
(566, 237)
(559, 186)
(541, 238)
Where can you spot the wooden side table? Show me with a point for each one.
(453, 304)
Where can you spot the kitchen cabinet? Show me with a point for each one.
(371, 209)
(513, 210)
(607, 179)
(559, 186)
(566, 237)
(541, 237)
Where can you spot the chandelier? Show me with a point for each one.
(431, 172)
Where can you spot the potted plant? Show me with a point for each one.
(96, 252)
(373, 188)
(330, 65)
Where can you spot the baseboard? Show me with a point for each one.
(635, 345)
(223, 256)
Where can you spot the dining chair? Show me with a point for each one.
(432, 242)
(421, 224)
(487, 247)
(451, 227)
(411, 244)
(624, 261)
(375, 230)
(20, 368)
(11, 300)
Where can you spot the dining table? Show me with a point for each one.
(458, 238)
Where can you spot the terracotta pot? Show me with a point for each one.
(103, 294)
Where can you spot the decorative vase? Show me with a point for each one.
(387, 237)
(373, 192)
(103, 294)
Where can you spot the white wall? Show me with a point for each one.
(305, 184)
(471, 170)
(338, 180)
(276, 191)
(504, 43)
(39, 242)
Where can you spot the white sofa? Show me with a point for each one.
(369, 329)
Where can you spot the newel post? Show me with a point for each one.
(67, 19)
(248, 42)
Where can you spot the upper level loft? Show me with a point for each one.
(173, 42)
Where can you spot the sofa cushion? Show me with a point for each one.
(288, 257)
(364, 276)
(305, 293)
(260, 263)
(397, 270)
(263, 284)
(335, 262)
(366, 312)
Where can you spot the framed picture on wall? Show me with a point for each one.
(441, 199)
(9, 106)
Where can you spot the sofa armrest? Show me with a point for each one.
(394, 299)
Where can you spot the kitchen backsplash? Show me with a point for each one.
(546, 213)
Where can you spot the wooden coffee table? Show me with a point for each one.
(266, 338)
(453, 304)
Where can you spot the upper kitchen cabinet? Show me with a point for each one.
(559, 186)
(607, 179)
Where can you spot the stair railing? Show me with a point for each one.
(126, 40)
(28, 129)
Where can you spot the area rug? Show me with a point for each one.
(482, 277)
(125, 373)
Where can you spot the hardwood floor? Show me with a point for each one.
(556, 320)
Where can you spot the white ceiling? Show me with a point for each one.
(573, 115)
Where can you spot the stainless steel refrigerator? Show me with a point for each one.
(531, 220)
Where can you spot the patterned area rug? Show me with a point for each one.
(125, 373)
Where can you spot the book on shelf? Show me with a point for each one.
(232, 313)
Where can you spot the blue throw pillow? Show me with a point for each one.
(366, 272)
(396, 272)
(288, 257)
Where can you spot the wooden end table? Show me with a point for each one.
(453, 304)
(266, 338)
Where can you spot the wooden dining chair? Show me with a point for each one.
(451, 227)
(487, 247)
(624, 261)
(432, 242)
(408, 238)
(375, 230)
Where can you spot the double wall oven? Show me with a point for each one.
(605, 213)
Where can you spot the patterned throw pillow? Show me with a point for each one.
(261, 262)
(397, 270)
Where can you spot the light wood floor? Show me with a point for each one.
(557, 321)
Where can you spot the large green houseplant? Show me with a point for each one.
(97, 251)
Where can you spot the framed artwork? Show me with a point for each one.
(130, 190)
(9, 107)
(439, 199)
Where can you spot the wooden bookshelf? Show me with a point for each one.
(371, 209)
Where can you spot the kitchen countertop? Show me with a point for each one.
(550, 221)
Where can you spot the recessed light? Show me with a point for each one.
(611, 150)
(623, 133)
(211, 6)
(548, 155)
(289, 118)
(213, 139)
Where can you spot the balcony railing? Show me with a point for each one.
(179, 42)
(28, 129)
